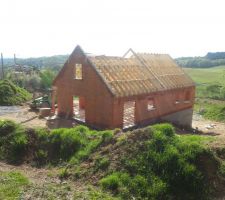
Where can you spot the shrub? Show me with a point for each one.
(66, 142)
(11, 94)
(166, 129)
(106, 136)
(7, 127)
(13, 141)
(17, 146)
(45, 146)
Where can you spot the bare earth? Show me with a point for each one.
(29, 118)
(24, 116)
(44, 183)
(207, 126)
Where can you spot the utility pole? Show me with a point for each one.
(2, 66)
(15, 58)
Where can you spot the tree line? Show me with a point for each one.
(210, 60)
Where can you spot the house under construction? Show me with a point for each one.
(121, 92)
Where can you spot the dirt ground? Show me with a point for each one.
(207, 126)
(23, 115)
(44, 183)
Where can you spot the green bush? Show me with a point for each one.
(13, 141)
(11, 94)
(66, 142)
(166, 129)
(7, 127)
(106, 136)
(59, 145)
(47, 146)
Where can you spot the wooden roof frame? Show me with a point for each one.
(120, 88)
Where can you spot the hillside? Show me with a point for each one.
(52, 61)
(210, 92)
(149, 163)
(212, 75)
(212, 59)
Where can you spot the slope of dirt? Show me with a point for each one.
(118, 154)
(44, 183)
(125, 145)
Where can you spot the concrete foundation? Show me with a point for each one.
(181, 118)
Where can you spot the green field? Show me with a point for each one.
(214, 75)
(210, 91)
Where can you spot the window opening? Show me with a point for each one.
(78, 71)
(151, 104)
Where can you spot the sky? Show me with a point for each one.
(33, 28)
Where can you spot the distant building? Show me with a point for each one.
(120, 92)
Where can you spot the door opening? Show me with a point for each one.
(79, 108)
(129, 114)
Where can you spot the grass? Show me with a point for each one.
(207, 75)
(211, 110)
(210, 86)
(93, 193)
(164, 166)
(198, 139)
(149, 163)
(12, 185)
(101, 163)
(210, 82)
(214, 112)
